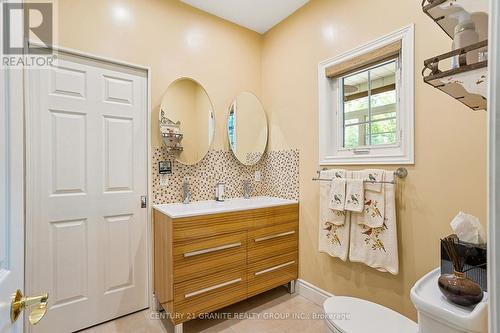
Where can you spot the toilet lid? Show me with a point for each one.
(354, 315)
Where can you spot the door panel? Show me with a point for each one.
(88, 170)
(68, 82)
(69, 241)
(68, 152)
(119, 154)
(118, 252)
(118, 90)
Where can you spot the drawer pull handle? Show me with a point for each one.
(213, 249)
(261, 239)
(206, 290)
(274, 268)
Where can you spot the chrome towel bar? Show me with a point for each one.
(400, 173)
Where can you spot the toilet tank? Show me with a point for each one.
(438, 315)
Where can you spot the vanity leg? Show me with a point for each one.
(156, 306)
(171, 328)
(178, 328)
(291, 287)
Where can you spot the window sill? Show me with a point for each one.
(366, 160)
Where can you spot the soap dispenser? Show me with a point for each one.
(219, 191)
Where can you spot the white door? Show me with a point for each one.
(86, 173)
(11, 196)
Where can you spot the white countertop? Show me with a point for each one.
(178, 210)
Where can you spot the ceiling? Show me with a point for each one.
(257, 15)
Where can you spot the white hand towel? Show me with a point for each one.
(374, 210)
(377, 247)
(355, 193)
(372, 177)
(334, 226)
(337, 194)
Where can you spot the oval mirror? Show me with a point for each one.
(187, 121)
(247, 128)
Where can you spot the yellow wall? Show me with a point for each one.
(450, 170)
(175, 40)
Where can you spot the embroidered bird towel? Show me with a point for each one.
(374, 211)
(355, 194)
(337, 194)
(334, 226)
(377, 247)
(372, 178)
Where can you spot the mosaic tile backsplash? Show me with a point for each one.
(279, 176)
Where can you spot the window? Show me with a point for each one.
(366, 103)
(369, 107)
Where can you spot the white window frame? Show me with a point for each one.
(331, 147)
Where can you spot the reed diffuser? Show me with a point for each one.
(456, 287)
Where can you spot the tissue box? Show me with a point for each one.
(474, 255)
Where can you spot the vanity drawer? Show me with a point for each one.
(209, 293)
(272, 241)
(196, 227)
(271, 273)
(197, 258)
(274, 215)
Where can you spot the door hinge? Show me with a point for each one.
(144, 201)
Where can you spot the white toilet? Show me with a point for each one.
(435, 313)
(355, 315)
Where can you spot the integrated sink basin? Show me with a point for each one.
(178, 210)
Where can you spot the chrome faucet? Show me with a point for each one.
(186, 193)
(247, 189)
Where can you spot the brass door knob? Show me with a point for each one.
(19, 303)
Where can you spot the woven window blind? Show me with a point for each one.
(390, 51)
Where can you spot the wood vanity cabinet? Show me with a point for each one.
(204, 263)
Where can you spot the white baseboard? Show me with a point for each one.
(311, 292)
